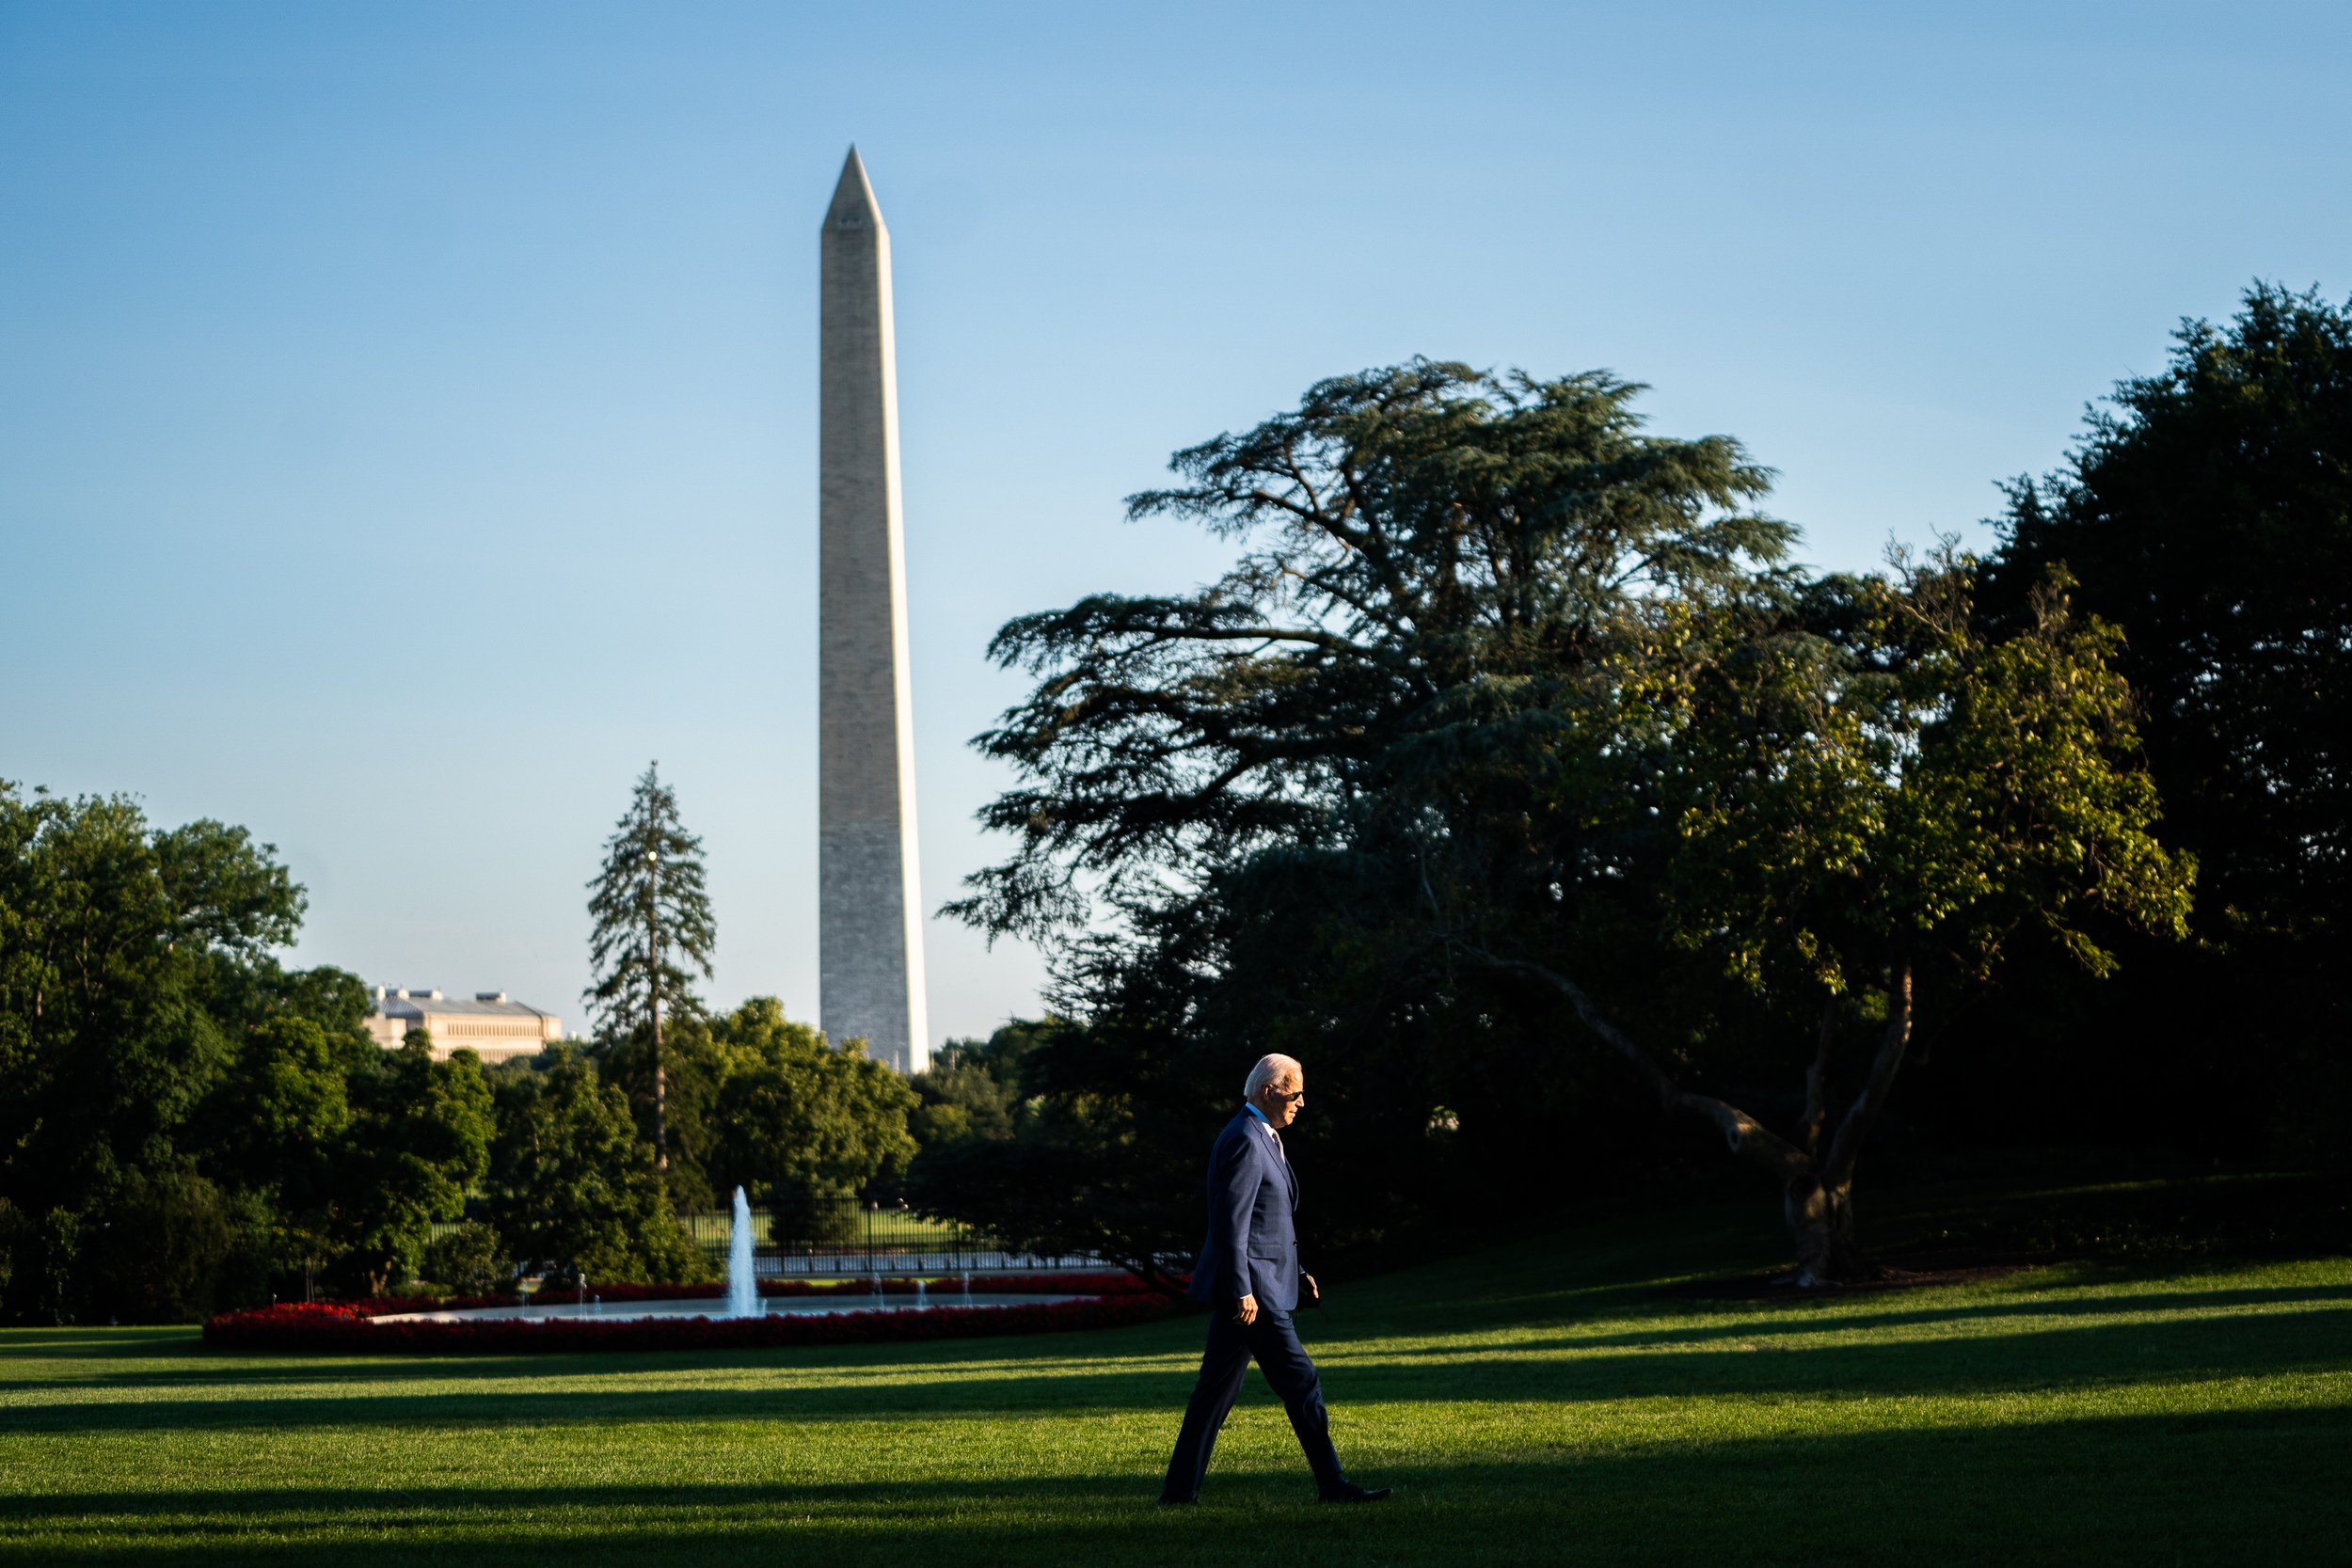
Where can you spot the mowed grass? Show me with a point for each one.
(1554, 1403)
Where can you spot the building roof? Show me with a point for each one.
(397, 1002)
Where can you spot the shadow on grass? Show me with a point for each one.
(200, 1366)
(1825, 1315)
(96, 1344)
(2244, 1486)
(2315, 1338)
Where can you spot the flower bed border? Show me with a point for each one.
(347, 1327)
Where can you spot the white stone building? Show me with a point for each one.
(491, 1026)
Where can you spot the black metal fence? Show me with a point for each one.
(850, 1239)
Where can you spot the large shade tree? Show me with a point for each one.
(1872, 804)
(1507, 704)
(2207, 513)
(1434, 562)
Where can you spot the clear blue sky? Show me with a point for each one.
(407, 412)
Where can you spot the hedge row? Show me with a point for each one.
(345, 1327)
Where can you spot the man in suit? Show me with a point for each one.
(1248, 1275)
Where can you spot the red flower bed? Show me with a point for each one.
(344, 1327)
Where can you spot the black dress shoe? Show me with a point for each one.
(1168, 1501)
(1349, 1492)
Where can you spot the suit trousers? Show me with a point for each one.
(1274, 1341)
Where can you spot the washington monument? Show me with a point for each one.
(870, 901)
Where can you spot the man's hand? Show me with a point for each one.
(1314, 1292)
(1246, 1313)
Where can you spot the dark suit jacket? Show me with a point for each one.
(1252, 1248)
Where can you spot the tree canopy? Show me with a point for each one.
(183, 1122)
(1873, 801)
(1416, 545)
(572, 1189)
(1508, 736)
(2206, 514)
(803, 1118)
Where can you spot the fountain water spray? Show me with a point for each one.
(742, 1289)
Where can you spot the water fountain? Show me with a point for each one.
(742, 1289)
(742, 1298)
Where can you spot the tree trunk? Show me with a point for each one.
(1816, 1184)
(653, 988)
(1821, 1223)
(1819, 1198)
(661, 1098)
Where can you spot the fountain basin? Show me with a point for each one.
(829, 1305)
(355, 1329)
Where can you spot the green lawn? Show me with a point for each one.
(1546, 1405)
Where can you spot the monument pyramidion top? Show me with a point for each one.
(854, 198)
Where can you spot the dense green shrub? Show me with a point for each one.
(467, 1259)
(572, 1188)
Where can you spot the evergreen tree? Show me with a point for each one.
(653, 928)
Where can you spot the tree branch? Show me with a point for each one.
(1816, 1084)
(1300, 510)
(1847, 1148)
(1249, 634)
(1747, 1137)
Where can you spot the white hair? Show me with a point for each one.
(1268, 1069)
